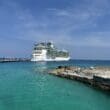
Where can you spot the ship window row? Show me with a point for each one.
(37, 52)
(37, 55)
(39, 48)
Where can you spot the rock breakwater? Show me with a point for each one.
(95, 76)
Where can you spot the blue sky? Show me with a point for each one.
(80, 26)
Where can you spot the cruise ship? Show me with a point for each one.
(47, 51)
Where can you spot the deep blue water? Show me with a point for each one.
(28, 86)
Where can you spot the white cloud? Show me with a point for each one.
(57, 24)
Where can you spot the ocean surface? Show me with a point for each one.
(28, 86)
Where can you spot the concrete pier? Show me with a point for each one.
(3, 60)
(96, 76)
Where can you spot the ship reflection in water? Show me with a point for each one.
(40, 67)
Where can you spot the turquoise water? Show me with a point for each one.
(27, 86)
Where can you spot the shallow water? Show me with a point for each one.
(27, 86)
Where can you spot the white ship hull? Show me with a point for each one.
(56, 59)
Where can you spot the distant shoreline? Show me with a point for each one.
(3, 60)
(92, 59)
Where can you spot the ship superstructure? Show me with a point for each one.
(46, 51)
